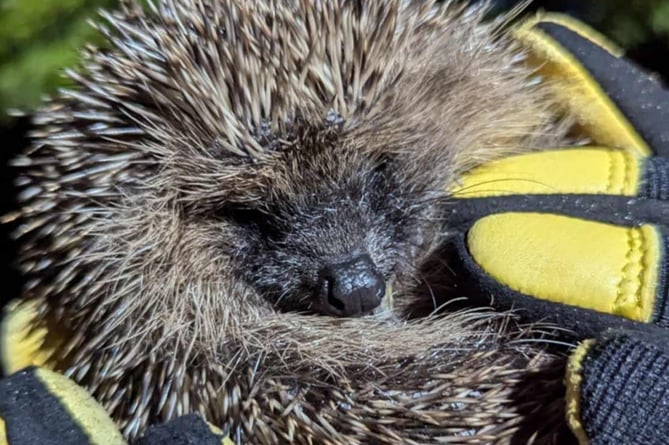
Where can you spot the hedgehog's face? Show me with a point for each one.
(334, 230)
(305, 143)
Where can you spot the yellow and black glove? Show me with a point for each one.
(578, 236)
(38, 406)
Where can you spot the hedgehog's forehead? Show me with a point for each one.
(202, 87)
(236, 69)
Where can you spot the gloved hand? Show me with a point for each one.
(577, 236)
(38, 406)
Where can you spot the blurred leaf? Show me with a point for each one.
(33, 73)
(660, 21)
(38, 38)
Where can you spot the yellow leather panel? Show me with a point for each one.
(596, 115)
(566, 260)
(581, 170)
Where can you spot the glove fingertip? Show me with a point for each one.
(618, 388)
(573, 383)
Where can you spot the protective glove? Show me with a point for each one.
(618, 388)
(577, 236)
(38, 406)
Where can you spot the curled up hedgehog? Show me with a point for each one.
(231, 212)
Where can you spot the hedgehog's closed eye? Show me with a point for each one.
(242, 215)
(253, 218)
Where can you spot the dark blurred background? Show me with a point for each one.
(40, 37)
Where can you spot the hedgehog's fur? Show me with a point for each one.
(177, 203)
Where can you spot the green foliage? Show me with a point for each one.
(38, 38)
(630, 22)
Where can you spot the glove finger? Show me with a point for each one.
(582, 170)
(613, 101)
(532, 261)
(186, 430)
(42, 407)
(593, 183)
(617, 390)
(617, 210)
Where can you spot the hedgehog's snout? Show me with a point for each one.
(350, 288)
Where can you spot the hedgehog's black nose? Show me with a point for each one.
(354, 287)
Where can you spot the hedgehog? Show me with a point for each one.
(231, 210)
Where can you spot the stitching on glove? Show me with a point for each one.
(620, 172)
(609, 179)
(646, 264)
(623, 271)
(629, 171)
(614, 184)
(641, 273)
(630, 283)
